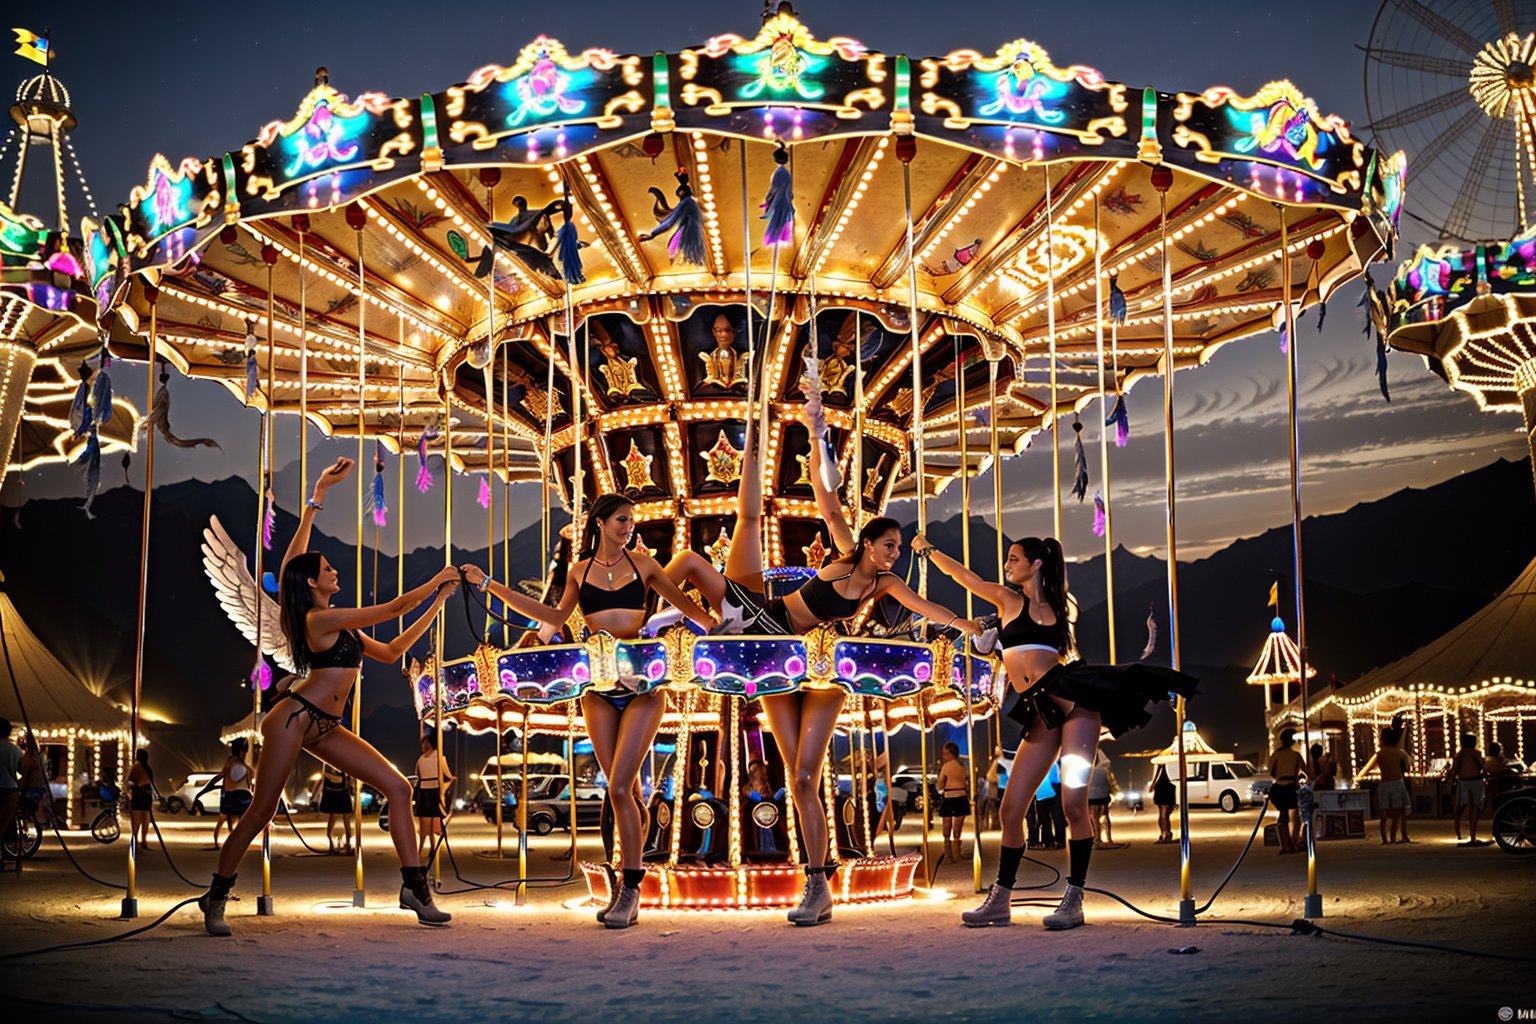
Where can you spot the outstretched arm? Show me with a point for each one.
(824, 483)
(330, 620)
(334, 474)
(397, 648)
(993, 593)
(522, 603)
(936, 613)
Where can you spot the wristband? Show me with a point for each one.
(312, 503)
(951, 622)
(926, 553)
(484, 585)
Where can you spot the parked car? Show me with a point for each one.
(549, 793)
(1227, 783)
(187, 799)
(909, 779)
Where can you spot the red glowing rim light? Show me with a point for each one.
(760, 886)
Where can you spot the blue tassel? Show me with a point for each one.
(1100, 515)
(80, 409)
(1285, 341)
(269, 520)
(380, 508)
(1080, 461)
(1117, 307)
(90, 458)
(779, 207)
(1121, 420)
(269, 582)
(101, 391)
(1381, 366)
(251, 373)
(568, 248)
(688, 240)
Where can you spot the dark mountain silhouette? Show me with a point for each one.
(1381, 579)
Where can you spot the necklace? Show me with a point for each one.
(608, 566)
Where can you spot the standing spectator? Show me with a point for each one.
(1101, 788)
(1466, 773)
(1286, 767)
(10, 781)
(1392, 799)
(1052, 821)
(141, 797)
(1165, 796)
(333, 798)
(235, 778)
(1325, 769)
(954, 799)
(432, 781)
(994, 797)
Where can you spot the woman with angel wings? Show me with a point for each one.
(324, 645)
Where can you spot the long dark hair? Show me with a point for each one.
(238, 747)
(142, 756)
(873, 531)
(294, 598)
(603, 508)
(1053, 579)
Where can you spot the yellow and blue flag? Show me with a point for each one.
(1274, 594)
(32, 46)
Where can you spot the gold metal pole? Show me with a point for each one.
(500, 790)
(733, 829)
(1313, 905)
(359, 897)
(890, 821)
(506, 500)
(442, 613)
(301, 224)
(490, 414)
(131, 898)
(405, 658)
(680, 756)
(1098, 340)
(1050, 330)
(970, 612)
(269, 425)
(1186, 901)
(521, 898)
(856, 492)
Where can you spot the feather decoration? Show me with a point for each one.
(269, 519)
(812, 388)
(684, 220)
(90, 458)
(1322, 315)
(1146, 652)
(1285, 340)
(80, 408)
(779, 206)
(1100, 516)
(1121, 420)
(485, 492)
(1381, 366)
(424, 471)
(377, 504)
(261, 675)
(568, 248)
(251, 373)
(1080, 461)
(159, 419)
(101, 390)
(1117, 305)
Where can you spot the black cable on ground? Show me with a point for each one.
(534, 882)
(305, 842)
(165, 849)
(157, 922)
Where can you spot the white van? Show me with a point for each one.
(1221, 782)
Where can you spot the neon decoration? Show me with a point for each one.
(20, 235)
(325, 138)
(543, 92)
(1019, 91)
(1280, 129)
(782, 70)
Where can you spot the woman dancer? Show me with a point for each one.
(1061, 707)
(326, 643)
(802, 722)
(141, 797)
(333, 798)
(433, 778)
(236, 780)
(609, 585)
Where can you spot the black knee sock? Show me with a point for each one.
(633, 877)
(415, 879)
(222, 884)
(1078, 852)
(1008, 865)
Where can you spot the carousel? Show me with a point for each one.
(591, 271)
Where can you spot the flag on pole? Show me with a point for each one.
(1274, 594)
(32, 46)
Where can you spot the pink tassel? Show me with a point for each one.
(424, 478)
(268, 523)
(1100, 521)
(485, 492)
(261, 675)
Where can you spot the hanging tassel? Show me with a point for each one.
(779, 207)
(1080, 460)
(251, 372)
(1146, 652)
(261, 676)
(1322, 315)
(268, 520)
(80, 408)
(1121, 420)
(101, 390)
(269, 583)
(90, 458)
(568, 248)
(1285, 340)
(686, 223)
(423, 471)
(1381, 366)
(380, 509)
(485, 491)
(1100, 517)
(1117, 306)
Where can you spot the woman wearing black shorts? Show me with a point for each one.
(335, 801)
(141, 797)
(432, 781)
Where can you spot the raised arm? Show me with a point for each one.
(656, 578)
(935, 613)
(329, 620)
(334, 474)
(1005, 599)
(824, 483)
(397, 648)
(522, 603)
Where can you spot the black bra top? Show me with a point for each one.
(1023, 631)
(592, 599)
(823, 601)
(346, 652)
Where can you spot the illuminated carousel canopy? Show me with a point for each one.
(371, 218)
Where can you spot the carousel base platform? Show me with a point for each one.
(760, 886)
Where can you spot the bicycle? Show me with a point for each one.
(1514, 820)
(105, 827)
(25, 836)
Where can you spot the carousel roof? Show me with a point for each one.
(55, 697)
(1195, 749)
(1280, 660)
(374, 212)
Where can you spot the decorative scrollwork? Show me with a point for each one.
(602, 659)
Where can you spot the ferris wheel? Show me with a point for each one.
(1452, 83)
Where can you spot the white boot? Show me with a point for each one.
(625, 910)
(815, 903)
(1069, 914)
(996, 909)
(613, 893)
(426, 911)
(213, 913)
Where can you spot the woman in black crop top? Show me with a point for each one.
(802, 722)
(328, 647)
(609, 584)
(1062, 708)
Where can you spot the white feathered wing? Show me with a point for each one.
(239, 595)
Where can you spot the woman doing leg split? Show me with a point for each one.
(802, 722)
(1061, 708)
(609, 584)
(326, 643)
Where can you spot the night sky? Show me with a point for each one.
(205, 82)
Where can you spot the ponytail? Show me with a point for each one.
(1053, 580)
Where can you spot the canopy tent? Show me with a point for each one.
(62, 710)
(1474, 678)
(1195, 749)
